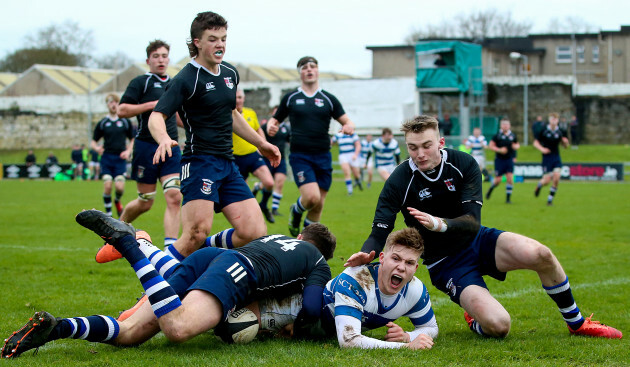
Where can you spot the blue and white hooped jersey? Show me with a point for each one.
(384, 154)
(366, 147)
(355, 293)
(477, 144)
(346, 142)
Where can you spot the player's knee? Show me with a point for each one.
(108, 178)
(544, 256)
(119, 178)
(251, 231)
(498, 326)
(173, 198)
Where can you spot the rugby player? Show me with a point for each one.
(309, 108)
(547, 142)
(439, 193)
(200, 292)
(504, 144)
(115, 131)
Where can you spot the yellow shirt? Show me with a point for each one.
(240, 145)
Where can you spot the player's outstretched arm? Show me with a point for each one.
(157, 127)
(349, 335)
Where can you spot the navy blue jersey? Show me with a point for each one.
(310, 119)
(114, 133)
(281, 138)
(551, 139)
(147, 88)
(205, 102)
(285, 265)
(505, 140)
(440, 192)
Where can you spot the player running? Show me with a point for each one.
(547, 141)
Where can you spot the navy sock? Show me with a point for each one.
(96, 328)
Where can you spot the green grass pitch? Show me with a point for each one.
(47, 263)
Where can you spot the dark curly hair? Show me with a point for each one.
(203, 21)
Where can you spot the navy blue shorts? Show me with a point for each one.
(312, 168)
(112, 164)
(142, 168)
(551, 161)
(503, 166)
(454, 273)
(248, 163)
(212, 178)
(282, 167)
(226, 274)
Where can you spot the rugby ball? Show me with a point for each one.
(240, 327)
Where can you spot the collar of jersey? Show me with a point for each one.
(414, 168)
(381, 308)
(306, 95)
(158, 77)
(199, 66)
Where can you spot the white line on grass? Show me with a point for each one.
(533, 290)
(39, 248)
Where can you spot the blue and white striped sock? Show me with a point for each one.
(299, 208)
(562, 296)
(275, 201)
(163, 263)
(308, 222)
(96, 328)
(168, 241)
(162, 297)
(172, 252)
(222, 239)
(349, 186)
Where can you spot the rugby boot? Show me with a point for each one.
(294, 221)
(110, 229)
(127, 313)
(108, 253)
(33, 334)
(596, 329)
(268, 216)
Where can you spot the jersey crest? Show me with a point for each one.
(228, 82)
(449, 184)
(319, 102)
(206, 186)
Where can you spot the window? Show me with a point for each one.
(580, 54)
(563, 54)
(595, 54)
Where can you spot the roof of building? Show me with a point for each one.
(7, 78)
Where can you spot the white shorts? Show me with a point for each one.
(370, 162)
(274, 314)
(481, 160)
(348, 159)
(387, 168)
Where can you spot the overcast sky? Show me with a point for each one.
(279, 32)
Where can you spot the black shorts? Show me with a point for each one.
(454, 273)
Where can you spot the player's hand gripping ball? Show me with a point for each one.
(240, 327)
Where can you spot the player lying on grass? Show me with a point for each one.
(201, 291)
(371, 296)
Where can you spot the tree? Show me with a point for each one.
(22, 59)
(57, 44)
(569, 25)
(116, 60)
(478, 24)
